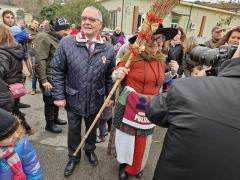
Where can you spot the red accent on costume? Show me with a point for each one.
(135, 77)
(134, 51)
(140, 142)
(143, 35)
(153, 18)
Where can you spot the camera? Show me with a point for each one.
(212, 57)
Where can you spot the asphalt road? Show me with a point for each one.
(52, 148)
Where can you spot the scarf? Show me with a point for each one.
(13, 161)
(81, 37)
(145, 56)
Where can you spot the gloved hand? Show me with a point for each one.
(120, 73)
(174, 67)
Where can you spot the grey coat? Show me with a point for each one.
(80, 78)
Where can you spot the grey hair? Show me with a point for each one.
(98, 12)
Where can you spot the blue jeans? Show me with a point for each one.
(34, 80)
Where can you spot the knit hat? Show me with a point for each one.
(60, 24)
(121, 40)
(216, 29)
(8, 124)
(15, 30)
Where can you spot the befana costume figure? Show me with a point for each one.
(18, 159)
(141, 80)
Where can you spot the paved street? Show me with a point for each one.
(52, 149)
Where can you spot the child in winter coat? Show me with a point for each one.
(105, 118)
(18, 159)
(20, 35)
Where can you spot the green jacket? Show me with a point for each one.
(45, 44)
(211, 43)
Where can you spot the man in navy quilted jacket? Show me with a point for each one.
(81, 77)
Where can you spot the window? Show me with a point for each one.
(140, 20)
(174, 25)
(113, 19)
(175, 19)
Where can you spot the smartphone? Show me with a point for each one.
(47, 93)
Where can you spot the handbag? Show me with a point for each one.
(134, 115)
(18, 90)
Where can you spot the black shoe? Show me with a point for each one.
(21, 105)
(92, 158)
(122, 174)
(60, 122)
(70, 168)
(52, 127)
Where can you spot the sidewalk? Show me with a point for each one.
(52, 148)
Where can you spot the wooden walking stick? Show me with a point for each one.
(158, 10)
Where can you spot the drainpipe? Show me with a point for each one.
(189, 17)
(122, 15)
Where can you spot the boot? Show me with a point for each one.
(52, 127)
(22, 105)
(60, 121)
(122, 174)
(33, 92)
(56, 119)
(92, 157)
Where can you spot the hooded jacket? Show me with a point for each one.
(176, 53)
(115, 37)
(11, 64)
(45, 44)
(21, 37)
(203, 120)
(28, 157)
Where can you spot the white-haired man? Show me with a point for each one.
(81, 77)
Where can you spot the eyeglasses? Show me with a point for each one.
(159, 38)
(90, 19)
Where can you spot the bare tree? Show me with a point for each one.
(31, 6)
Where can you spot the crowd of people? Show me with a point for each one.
(76, 68)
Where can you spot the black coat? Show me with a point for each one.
(6, 99)
(203, 120)
(115, 38)
(176, 53)
(11, 64)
